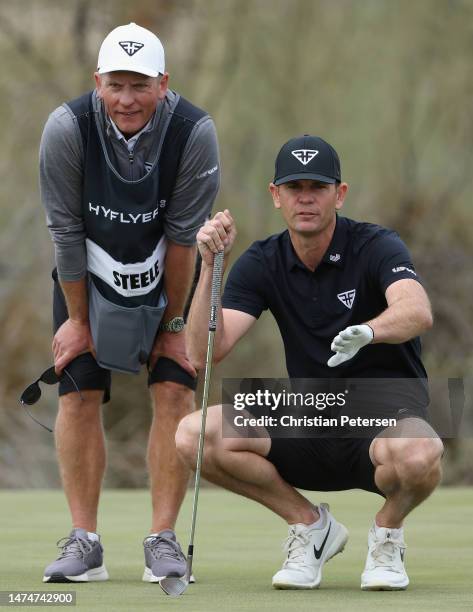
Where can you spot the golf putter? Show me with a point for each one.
(173, 585)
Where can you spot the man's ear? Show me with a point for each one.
(98, 82)
(163, 85)
(274, 191)
(341, 194)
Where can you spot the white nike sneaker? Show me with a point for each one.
(307, 551)
(384, 569)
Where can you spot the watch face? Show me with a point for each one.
(176, 324)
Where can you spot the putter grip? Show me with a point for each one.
(216, 287)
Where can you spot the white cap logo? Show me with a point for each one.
(304, 155)
(130, 47)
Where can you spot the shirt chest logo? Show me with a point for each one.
(347, 298)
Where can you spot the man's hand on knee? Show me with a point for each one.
(172, 346)
(73, 338)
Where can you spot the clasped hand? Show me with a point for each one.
(218, 234)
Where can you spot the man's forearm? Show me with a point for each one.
(77, 299)
(178, 275)
(400, 322)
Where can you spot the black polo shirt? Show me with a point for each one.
(347, 288)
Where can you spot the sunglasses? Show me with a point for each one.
(32, 393)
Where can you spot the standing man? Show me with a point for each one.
(348, 304)
(128, 173)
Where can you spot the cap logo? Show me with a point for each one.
(130, 47)
(304, 155)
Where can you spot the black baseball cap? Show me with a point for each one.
(307, 157)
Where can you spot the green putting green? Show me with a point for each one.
(237, 550)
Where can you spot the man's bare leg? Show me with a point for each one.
(240, 465)
(168, 473)
(80, 446)
(408, 468)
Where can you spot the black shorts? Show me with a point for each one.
(324, 464)
(332, 464)
(89, 375)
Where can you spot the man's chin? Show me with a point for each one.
(308, 229)
(129, 127)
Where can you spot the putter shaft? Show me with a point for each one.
(172, 585)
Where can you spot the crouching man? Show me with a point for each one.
(348, 304)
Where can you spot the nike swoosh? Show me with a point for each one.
(318, 553)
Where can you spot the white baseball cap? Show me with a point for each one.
(132, 48)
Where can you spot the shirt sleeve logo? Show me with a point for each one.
(403, 269)
(347, 298)
(208, 172)
(305, 155)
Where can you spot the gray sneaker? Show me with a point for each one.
(163, 557)
(81, 560)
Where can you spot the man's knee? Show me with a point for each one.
(171, 396)
(422, 461)
(187, 438)
(188, 434)
(171, 388)
(416, 460)
(86, 406)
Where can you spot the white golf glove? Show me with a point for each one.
(348, 342)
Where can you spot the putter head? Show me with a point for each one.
(173, 585)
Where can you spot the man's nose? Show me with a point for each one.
(306, 196)
(126, 97)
